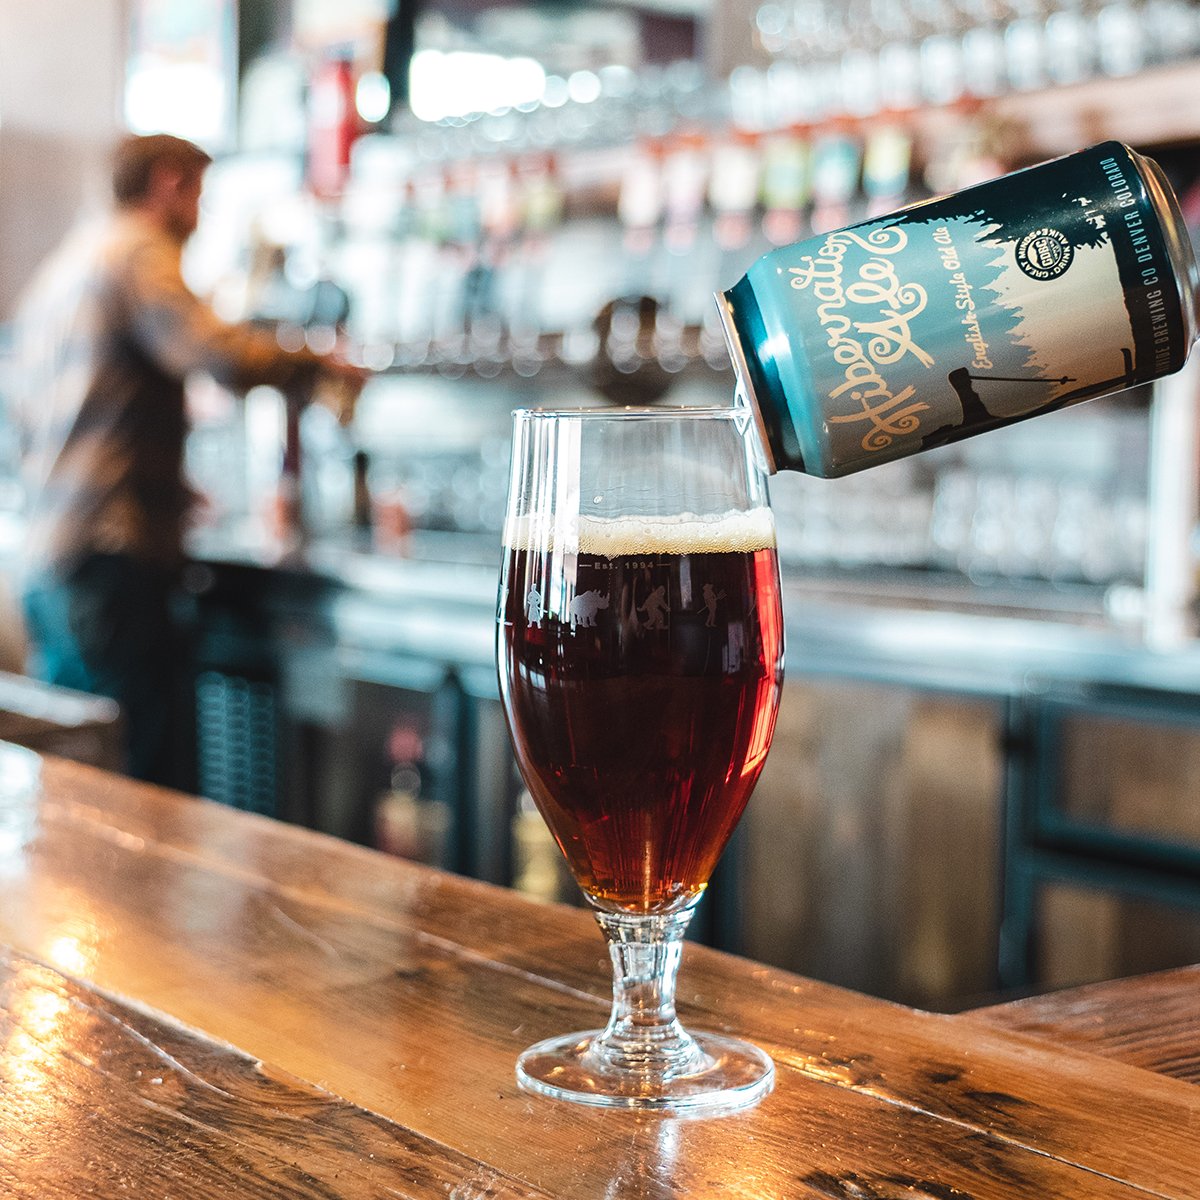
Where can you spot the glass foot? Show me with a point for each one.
(724, 1076)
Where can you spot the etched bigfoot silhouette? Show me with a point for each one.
(710, 605)
(584, 608)
(655, 609)
(533, 607)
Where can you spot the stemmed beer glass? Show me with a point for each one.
(640, 657)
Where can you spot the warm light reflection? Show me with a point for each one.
(36, 1036)
(72, 945)
(649, 1165)
(828, 1071)
(770, 615)
(71, 954)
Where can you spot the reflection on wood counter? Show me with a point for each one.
(195, 1002)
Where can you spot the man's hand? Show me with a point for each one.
(338, 386)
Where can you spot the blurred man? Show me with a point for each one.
(105, 337)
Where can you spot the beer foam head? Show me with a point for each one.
(681, 533)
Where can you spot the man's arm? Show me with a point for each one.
(182, 334)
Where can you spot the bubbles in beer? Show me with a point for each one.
(680, 533)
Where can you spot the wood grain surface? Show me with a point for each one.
(1151, 1021)
(140, 1105)
(326, 1004)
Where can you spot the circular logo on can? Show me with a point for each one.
(1044, 253)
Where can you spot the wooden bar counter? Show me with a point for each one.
(195, 1002)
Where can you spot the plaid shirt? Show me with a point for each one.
(104, 339)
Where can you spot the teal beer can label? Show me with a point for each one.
(965, 313)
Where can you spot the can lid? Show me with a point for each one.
(744, 393)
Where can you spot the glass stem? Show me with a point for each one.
(643, 1033)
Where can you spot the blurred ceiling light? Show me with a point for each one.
(459, 82)
(373, 97)
(186, 99)
(584, 86)
(616, 79)
(555, 93)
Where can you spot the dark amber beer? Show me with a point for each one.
(641, 675)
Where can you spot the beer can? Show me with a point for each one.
(964, 313)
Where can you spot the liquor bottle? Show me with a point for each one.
(964, 313)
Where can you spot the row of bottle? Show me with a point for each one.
(864, 56)
(515, 263)
(829, 58)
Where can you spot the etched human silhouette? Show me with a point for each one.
(976, 418)
(655, 608)
(533, 607)
(711, 596)
(584, 608)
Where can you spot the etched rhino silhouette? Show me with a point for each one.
(584, 608)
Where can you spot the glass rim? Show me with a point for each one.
(658, 412)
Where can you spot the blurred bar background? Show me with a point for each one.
(985, 776)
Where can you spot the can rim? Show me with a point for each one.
(631, 412)
(744, 394)
(1179, 245)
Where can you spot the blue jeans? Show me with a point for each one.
(105, 627)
